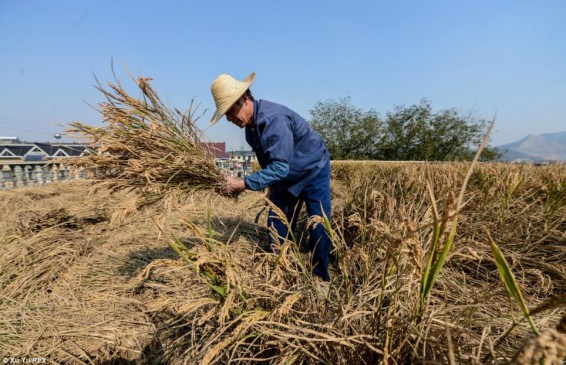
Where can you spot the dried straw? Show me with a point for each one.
(146, 147)
(102, 293)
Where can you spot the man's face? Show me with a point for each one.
(241, 113)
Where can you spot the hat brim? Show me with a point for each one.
(242, 87)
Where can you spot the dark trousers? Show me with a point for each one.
(316, 196)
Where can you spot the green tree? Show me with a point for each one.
(416, 133)
(349, 132)
(408, 133)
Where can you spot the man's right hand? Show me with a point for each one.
(233, 187)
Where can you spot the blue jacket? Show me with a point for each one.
(289, 151)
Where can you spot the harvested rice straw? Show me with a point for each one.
(145, 147)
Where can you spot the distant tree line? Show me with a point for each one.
(407, 133)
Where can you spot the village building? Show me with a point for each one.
(234, 163)
(25, 163)
(35, 152)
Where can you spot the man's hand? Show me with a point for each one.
(233, 187)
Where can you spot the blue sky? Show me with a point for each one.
(476, 56)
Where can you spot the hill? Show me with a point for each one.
(543, 147)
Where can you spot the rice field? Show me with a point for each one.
(416, 279)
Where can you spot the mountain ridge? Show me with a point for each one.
(542, 147)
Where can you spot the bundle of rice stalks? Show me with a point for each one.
(145, 147)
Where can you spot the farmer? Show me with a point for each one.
(294, 160)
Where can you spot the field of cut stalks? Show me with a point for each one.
(421, 273)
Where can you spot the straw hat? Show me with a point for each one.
(226, 90)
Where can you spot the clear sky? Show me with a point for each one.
(481, 56)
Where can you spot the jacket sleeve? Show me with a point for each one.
(271, 174)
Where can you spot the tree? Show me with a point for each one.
(408, 133)
(416, 133)
(349, 132)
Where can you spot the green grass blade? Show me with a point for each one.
(327, 224)
(425, 285)
(439, 263)
(220, 290)
(510, 283)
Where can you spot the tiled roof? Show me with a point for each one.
(24, 150)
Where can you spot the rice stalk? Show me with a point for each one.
(145, 147)
(375, 297)
(436, 264)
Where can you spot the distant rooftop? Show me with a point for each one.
(217, 148)
(4, 139)
(15, 150)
